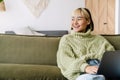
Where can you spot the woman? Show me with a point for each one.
(79, 48)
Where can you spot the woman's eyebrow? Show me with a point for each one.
(77, 17)
(80, 17)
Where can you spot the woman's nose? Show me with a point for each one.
(76, 22)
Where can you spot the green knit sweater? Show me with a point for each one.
(75, 48)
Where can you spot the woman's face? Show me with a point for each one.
(79, 23)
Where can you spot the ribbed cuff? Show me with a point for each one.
(83, 66)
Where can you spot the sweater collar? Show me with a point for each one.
(80, 34)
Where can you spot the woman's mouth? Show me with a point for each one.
(76, 26)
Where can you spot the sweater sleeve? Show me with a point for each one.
(105, 46)
(70, 66)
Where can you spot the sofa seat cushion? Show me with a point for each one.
(29, 72)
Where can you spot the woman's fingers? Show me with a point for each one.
(91, 69)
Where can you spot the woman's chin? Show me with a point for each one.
(75, 30)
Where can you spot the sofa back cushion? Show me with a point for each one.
(28, 49)
(21, 49)
(114, 40)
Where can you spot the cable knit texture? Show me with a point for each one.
(75, 48)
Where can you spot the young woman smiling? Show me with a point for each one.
(80, 48)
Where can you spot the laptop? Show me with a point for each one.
(110, 64)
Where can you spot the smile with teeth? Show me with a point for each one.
(76, 26)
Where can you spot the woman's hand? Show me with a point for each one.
(91, 69)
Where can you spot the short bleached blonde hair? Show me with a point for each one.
(87, 15)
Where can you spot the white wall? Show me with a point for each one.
(57, 16)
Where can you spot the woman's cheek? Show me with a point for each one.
(72, 25)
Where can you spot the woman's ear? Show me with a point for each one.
(88, 22)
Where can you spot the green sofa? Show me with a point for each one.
(25, 57)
